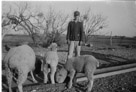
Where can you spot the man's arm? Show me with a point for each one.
(68, 31)
(81, 33)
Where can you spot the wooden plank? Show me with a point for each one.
(110, 69)
(108, 74)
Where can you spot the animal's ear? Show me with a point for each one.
(50, 46)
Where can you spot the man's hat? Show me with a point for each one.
(76, 13)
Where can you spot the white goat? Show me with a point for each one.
(81, 64)
(51, 60)
(19, 60)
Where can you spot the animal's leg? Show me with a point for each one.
(20, 88)
(89, 75)
(9, 77)
(90, 84)
(45, 77)
(45, 72)
(22, 76)
(34, 80)
(42, 65)
(72, 74)
(53, 70)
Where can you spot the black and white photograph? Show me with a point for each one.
(68, 46)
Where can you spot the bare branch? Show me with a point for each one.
(93, 23)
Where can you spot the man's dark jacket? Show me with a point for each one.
(75, 31)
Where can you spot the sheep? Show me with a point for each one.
(50, 60)
(81, 64)
(19, 61)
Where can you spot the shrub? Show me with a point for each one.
(53, 37)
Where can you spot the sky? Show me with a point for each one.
(121, 15)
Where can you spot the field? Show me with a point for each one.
(122, 51)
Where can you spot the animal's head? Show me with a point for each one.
(61, 75)
(53, 47)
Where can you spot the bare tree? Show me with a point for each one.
(93, 23)
(6, 24)
(56, 24)
(52, 23)
(21, 19)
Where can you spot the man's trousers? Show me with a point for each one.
(74, 45)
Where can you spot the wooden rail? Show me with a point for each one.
(105, 72)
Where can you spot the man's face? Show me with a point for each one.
(77, 17)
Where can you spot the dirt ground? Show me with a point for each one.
(119, 83)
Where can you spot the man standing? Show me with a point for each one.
(75, 35)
